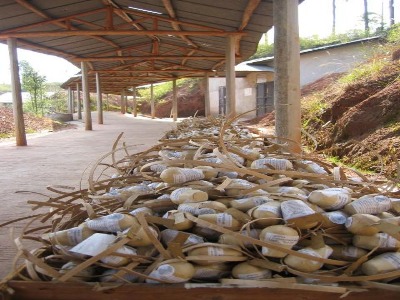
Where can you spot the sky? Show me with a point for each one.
(315, 18)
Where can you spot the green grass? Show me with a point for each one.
(362, 165)
(334, 160)
(393, 36)
(363, 72)
(313, 108)
(394, 125)
(161, 90)
(30, 130)
(5, 135)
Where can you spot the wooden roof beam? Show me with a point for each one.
(127, 78)
(169, 20)
(150, 57)
(198, 50)
(217, 65)
(176, 26)
(250, 8)
(45, 49)
(135, 47)
(124, 16)
(49, 20)
(148, 71)
(58, 23)
(129, 65)
(67, 33)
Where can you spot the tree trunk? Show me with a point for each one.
(391, 12)
(333, 17)
(366, 17)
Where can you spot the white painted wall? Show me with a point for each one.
(313, 65)
(245, 92)
(316, 64)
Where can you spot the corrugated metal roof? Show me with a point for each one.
(268, 60)
(131, 43)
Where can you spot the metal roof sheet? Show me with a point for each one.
(137, 42)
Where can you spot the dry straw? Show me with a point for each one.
(223, 150)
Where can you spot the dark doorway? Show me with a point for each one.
(265, 98)
(222, 101)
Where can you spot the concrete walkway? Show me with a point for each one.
(61, 158)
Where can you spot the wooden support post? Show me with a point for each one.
(123, 102)
(69, 97)
(207, 107)
(174, 101)
(18, 112)
(99, 100)
(107, 102)
(153, 109)
(287, 72)
(230, 77)
(72, 102)
(134, 102)
(78, 101)
(86, 96)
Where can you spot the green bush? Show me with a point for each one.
(393, 35)
(315, 41)
(363, 72)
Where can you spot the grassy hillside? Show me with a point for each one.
(355, 117)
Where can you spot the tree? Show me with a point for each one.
(366, 16)
(33, 83)
(391, 12)
(333, 17)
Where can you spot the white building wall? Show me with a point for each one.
(317, 64)
(245, 92)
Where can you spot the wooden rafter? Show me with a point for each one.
(124, 16)
(146, 47)
(30, 45)
(155, 71)
(151, 57)
(250, 8)
(40, 13)
(176, 26)
(67, 33)
(61, 21)
(170, 20)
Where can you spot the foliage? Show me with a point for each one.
(57, 102)
(363, 72)
(312, 107)
(5, 88)
(161, 90)
(314, 41)
(393, 34)
(33, 83)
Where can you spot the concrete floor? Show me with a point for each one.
(61, 158)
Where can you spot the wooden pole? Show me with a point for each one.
(391, 12)
(69, 97)
(174, 101)
(153, 110)
(134, 102)
(207, 107)
(18, 112)
(86, 97)
(78, 101)
(123, 103)
(230, 77)
(72, 102)
(107, 102)
(287, 72)
(99, 100)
